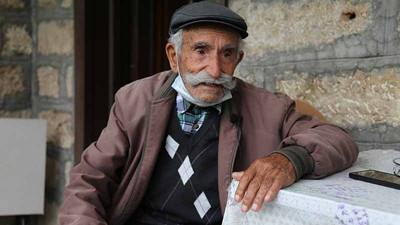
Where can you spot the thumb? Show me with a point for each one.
(237, 175)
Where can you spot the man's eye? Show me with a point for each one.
(201, 51)
(228, 54)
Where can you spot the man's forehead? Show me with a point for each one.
(204, 44)
(204, 27)
(205, 34)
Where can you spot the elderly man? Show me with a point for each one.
(174, 140)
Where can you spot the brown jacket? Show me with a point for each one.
(109, 183)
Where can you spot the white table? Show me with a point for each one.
(336, 199)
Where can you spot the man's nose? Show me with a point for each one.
(214, 67)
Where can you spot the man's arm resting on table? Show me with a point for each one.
(265, 177)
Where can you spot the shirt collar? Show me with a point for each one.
(182, 105)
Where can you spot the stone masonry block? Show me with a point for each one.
(67, 3)
(59, 127)
(358, 99)
(284, 31)
(47, 3)
(389, 137)
(249, 75)
(69, 82)
(48, 81)
(13, 4)
(11, 80)
(280, 26)
(56, 37)
(17, 41)
(26, 114)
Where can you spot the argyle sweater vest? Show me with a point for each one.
(184, 185)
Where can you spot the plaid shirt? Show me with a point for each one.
(191, 116)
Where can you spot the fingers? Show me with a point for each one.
(273, 190)
(244, 181)
(237, 175)
(262, 181)
(256, 194)
(259, 199)
(250, 194)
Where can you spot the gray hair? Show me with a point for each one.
(177, 40)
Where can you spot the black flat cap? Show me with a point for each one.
(206, 11)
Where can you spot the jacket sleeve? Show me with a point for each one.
(95, 177)
(330, 147)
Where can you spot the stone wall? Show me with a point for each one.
(36, 81)
(341, 56)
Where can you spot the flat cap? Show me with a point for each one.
(205, 11)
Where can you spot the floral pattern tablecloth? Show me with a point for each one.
(336, 199)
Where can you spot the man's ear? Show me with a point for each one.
(172, 54)
(239, 59)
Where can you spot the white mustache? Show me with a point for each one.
(224, 80)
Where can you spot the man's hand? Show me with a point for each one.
(262, 181)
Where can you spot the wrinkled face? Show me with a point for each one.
(211, 51)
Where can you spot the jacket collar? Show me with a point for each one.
(166, 90)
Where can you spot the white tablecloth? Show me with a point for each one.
(336, 199)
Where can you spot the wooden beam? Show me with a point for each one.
(79, 115)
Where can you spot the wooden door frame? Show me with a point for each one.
(79, 103)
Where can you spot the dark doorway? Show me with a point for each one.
(116, 42)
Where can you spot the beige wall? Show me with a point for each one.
(341, 56)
